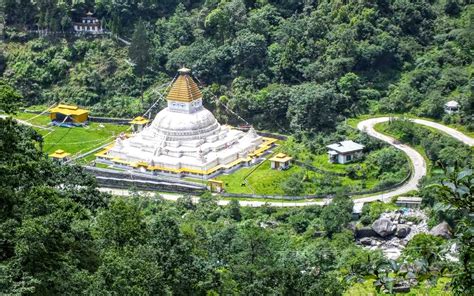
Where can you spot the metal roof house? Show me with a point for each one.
(451, 107)
(344, 152)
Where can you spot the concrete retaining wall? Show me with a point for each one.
(127, 179)
(109, 182)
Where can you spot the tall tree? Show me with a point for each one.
(139, 50)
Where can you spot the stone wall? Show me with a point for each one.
(126, 179)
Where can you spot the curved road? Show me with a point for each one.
(367, 126)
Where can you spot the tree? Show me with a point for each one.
(456, 189)
(121, 224)
(248, 49)
(424, 246)
(337, 214)
(9, 98)
(312, 107)
(294, 184)
(139, 50)
(234, 210)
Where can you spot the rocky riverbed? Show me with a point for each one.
(392, 231)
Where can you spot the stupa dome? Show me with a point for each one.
(184, 126)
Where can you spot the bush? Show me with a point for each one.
(372, 211)
(423, 246)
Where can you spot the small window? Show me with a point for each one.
(349, 157)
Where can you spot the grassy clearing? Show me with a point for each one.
(73, 140)
(264, 180)
(321, 161)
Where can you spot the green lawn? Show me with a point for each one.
(321, 162)
(264, 180)
(73, 140)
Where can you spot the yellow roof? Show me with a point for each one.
(139, 120)
(184, 89)
(281, 157)
(68, 110)
(215, 181)
(59, 154)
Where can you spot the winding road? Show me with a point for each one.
(366, 126)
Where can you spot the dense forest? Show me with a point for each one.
(293, 66)
(61, 236)
(302, 68)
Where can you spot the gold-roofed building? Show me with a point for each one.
(214, 185)
(185, 139)
(184, 89)
(60, 155)
(280, 161)
(63, 113)
(138, 123)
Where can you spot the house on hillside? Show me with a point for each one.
(89, 24)
(344, 152)
(451, 107)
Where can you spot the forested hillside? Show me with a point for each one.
(283, 65)
(303, 68)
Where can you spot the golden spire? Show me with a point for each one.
(184, 89)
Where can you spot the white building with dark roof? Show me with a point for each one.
(89, 24)
(344, 152)
(451, 107)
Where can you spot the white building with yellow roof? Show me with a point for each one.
(186, 139)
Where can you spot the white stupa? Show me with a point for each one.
(186, 138)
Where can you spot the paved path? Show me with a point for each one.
(417, 160)
(26, 123)
(447, 130)
(221, 202)
(419, 163)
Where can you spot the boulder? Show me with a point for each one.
(384, 227)
(443, 230)
(401, 288)
(318, 233)
(366, 241)
(402, 231)
(392, 253)
(365, 232)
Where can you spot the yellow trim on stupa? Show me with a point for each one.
(184, 89)
(266, 145)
